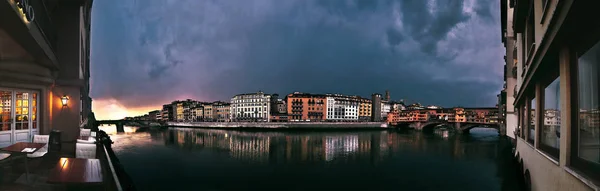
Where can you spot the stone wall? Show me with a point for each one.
(275, 125)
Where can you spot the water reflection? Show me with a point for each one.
(181, 159)
(279, 147)
(112, 129)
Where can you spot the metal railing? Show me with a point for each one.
(121, 179)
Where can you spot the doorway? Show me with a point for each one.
(18, 115)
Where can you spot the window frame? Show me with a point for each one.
(551, 74)
(588, 168)
(528, 114)
(545, 6)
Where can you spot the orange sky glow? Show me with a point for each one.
(111, 109)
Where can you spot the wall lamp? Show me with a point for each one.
(64, 100)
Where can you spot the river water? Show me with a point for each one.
(204, 159)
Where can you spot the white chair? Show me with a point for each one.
(42, 151)
(91, 140)
(83, 150)
(84, 132)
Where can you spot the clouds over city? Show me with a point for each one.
(149, 52)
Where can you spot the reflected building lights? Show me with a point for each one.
(284, 148)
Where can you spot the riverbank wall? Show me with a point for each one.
(281, 125)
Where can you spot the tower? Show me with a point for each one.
(376, 107)
(387, 95)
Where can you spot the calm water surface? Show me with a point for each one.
(202, 159)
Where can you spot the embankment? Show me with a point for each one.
(281, 125)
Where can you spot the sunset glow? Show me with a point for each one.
(113, 109)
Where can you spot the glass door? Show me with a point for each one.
(22, 116)
(6, 134)
(18, 116)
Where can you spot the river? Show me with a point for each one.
(208, 159)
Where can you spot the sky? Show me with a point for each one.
(147, 53)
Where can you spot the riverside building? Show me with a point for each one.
(44, 69)
(342, 108)
(553, 51)
(306, 107)
(252, 107)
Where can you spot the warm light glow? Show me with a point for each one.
(105, 109)
(64, 100)
(65, 162)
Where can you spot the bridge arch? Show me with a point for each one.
(467, 128)
(429, 127)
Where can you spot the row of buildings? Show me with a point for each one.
(456, 114)
(297, 106)
(307, 107)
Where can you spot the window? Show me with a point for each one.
(529, 37)
(531, 124)
(586, 135)
(550, 130)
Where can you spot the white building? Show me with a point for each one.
(386, 107)
(251, 107)
(342, 108)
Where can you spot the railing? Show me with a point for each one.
(119, 178)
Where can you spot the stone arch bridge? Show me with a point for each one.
(463, 127)
(121, 123)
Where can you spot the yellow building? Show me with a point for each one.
(198, 113)
(364, 110)
(179, 112)
(208, 112)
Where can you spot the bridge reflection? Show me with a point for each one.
(329, 147)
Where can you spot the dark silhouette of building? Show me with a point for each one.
(376, 107)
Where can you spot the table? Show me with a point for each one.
(17, 148)
(76, 171)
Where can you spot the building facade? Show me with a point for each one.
(222, 112)
(251, 107)
(281, 106)
(44, 57)
(167, 112)
(364, 109)
(153, 115)
(376, 107)
(198, 113)
(557, 62)
(208, 113)
(306, 107)
(386, 107)
(342, 108)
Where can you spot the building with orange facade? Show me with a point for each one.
(306, 107)
(474, 115)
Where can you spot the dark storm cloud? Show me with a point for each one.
(434, 52)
